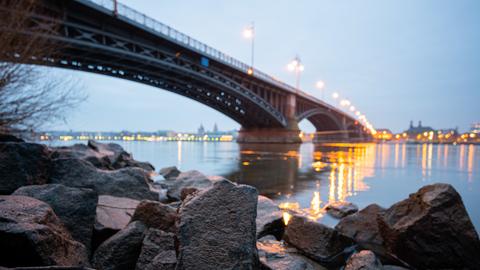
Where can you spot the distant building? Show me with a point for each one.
(475, 128)
(215, 128)
(384, 134)
(418, 129)
(201, 130)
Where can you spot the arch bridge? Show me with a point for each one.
(106, 37)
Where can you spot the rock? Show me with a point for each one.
(158, 251)
(32, 235)
(169, 173)
(74, 206)
(341, 209)
(431, 230)
(317, 241)
(269, 218)
(189, 179)
(363, 228)
(217, 228)
(118, 157)
(156, 215)
(112, 215)
(364, 260)
(187, 191)
(275, 255)
(9, 138)
(127, 182)
(49, 268)
(22, 164)
(83, 152)
(121, 251)
(393, 267)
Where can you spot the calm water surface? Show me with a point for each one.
(307, 177)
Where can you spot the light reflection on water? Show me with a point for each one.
(307, 177)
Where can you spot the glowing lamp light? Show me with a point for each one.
(248, 32)
(352, 108)
(335, 95)
(250, 71)
(357, 113)
(320, 84)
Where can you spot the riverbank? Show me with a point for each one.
(95, 206)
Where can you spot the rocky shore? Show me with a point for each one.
(94, 207)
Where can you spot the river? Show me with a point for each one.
(307, 177)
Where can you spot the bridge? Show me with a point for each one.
(106, 37)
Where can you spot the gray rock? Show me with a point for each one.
(317, 241)
(189, 179)
(432, 230)
(118, 157)
(112, 215)
(121, 251)
(341, 209)
(364, 260)
(269, 218)
(274, 255)
(156, 215)
(158, 251)
(363, 227)
(217, 228)
(74, 206)
(32, 235)
(132, 183)
(22, 164)
(169, 173)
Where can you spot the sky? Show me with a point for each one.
(396, 61)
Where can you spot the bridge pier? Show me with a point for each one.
(268, 135)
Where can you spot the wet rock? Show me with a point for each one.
(364, 229)
(269, 218)
(217, 228)
(121, 251)
(32, 235)
(156, 215)
(132, 183)
(189, 179)
(118, 157)
(169, 173)
(274, 255)
(22, 164)
(317, 241)
(158, 251)
(112, 215)
(9, 138)
(74, 206)
(431, 230)
(364, 260)
(341, 209)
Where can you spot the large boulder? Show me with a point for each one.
(9, 138)
(74, 206)
(189, 179)
(431, 230)
(217, 228)
(112, 215)
(158, 251)
(269, 218)
(121, 251)
(317, 241)
(169, 173)
(156, 215)
(364, 260)
(32, 235)
(132, 183)
(22, 164)
(341, 209)
(109, 156)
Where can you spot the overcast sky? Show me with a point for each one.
(395, 60)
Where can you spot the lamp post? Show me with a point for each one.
(249, 33)
(297, 67)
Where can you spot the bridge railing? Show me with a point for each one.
(193, 44)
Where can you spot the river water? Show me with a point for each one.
(307, 177)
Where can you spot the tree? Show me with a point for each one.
(29, 96)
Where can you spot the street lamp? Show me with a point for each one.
(297, 67)
(321, 86)
(335, 95)
(249, 33)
